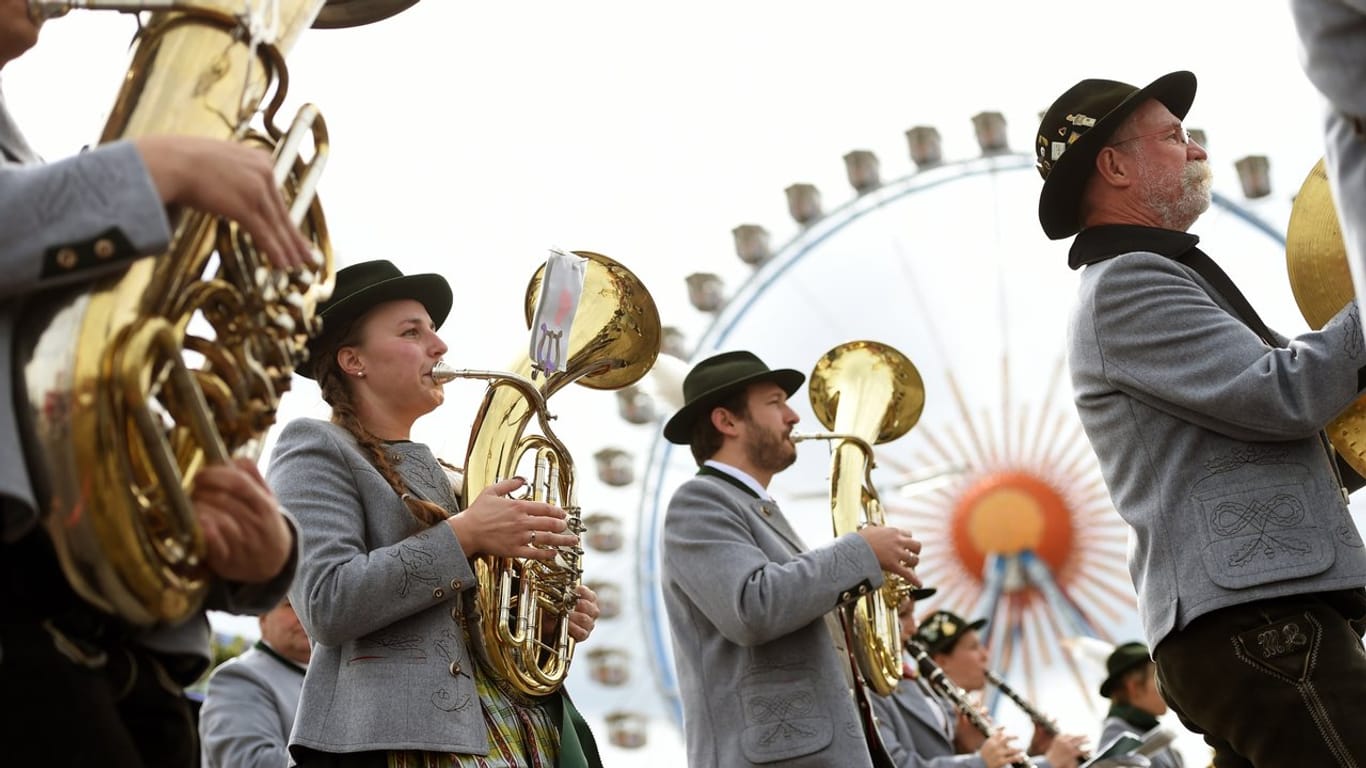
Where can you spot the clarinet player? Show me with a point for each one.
(919, 726)
(956, 647)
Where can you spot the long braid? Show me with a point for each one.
(337, 394)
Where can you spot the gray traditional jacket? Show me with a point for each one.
(758, 673)
(249, 711)
(1208, 437)
(380, 596)
(916, 736)
(105, 192)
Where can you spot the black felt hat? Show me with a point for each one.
(941, 629)
(1124, 658)
(711, 380)
(362, 286)
(1077, 127)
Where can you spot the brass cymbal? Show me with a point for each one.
(1316, 260)
(1314, 253)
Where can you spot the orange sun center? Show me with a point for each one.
(1006, 513)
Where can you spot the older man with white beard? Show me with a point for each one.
(1209, 430)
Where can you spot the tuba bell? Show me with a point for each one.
(133, 383)
(1321, 281)
(524, 605)
(866, 393)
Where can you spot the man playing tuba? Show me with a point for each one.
(79, 686)
(748, 603)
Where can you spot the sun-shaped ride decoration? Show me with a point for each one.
(1036, 547)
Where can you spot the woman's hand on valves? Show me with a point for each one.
(501, 525)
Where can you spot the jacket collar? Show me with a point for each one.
(1095, 244)
(264, 647)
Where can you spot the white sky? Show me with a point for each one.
(469, 137)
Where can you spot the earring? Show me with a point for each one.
(360, 374)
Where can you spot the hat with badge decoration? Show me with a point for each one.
(941, 630)
(1076, 128)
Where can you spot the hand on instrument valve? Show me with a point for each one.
(498, 525)
(896, 551)
(1000, 750)
(585, 614)
(245, 535)
(230, 180)
(1066, 751)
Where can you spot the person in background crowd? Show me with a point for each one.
(918, 724)
(1135, 703)
(250, 703)
(956, 646)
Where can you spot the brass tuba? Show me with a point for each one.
(133, 383)
(1316, 260)
(524, 604)
(866, 393)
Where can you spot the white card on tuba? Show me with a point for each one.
(561, 286)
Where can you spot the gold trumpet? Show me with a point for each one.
(866, 393)
(524, 604)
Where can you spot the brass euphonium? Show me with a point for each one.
(866, 393)
(524, 604)
(1316, 260)
(135, 382)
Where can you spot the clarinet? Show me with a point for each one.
(1048, 724)
(956, 696)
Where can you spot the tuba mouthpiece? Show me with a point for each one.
(443, 373)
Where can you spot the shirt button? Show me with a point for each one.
(455, 669)
(104, 248)
(67, 258)
(438, 593)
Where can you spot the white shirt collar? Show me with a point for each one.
(742, 476)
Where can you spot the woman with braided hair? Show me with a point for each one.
(385, 585)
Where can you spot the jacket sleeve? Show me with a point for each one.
(346, 586)
(238, 725)
(751, 598)
(77, 219)
(898, 744)
(1166, 342)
